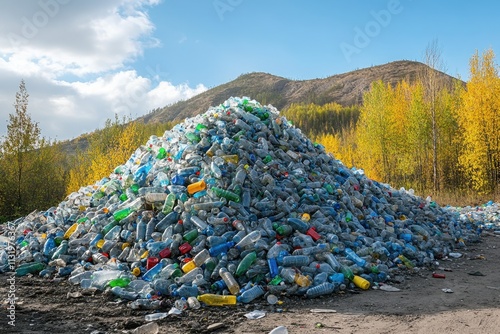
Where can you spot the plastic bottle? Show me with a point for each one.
(332, 261)
(319, 290)
(132, 207)
(30, 268)
(185, 291)
(245, 263)
(197, 261)
(196, 187)
(249, 239)
(273, 267)
(298, 224)
(113, 233)
(120, 281)
(406, 262)
(155, 316)
(189, 277)
(292, 276)
(62, 249)
(193, 303)
(229, 195)
(49, 246)
(220, 248)
(251, 294)
(231, 283)
(199, 223)
(151, 273)
(296, 260)
(351, 255)
(77, 278)
(217, 300)
(169, 203)
(360, 282)
(124, 294)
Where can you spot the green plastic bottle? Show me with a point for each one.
(109, 226)
(162, 153)
(347, 272)
(245, 263)
(32, 268)
(229, 195)
(283, 230)
(132, 207)
(168, 206)
(61, 250)
(120, 281)
(190, 235)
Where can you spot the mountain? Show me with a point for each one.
(345, 89)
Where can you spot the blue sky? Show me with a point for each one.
(84, 61)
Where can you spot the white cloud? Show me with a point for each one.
(47, 42)
(77, 37)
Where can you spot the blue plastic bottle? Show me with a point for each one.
(351, 255)
(221, 248)
(151, 273)
(250, 294)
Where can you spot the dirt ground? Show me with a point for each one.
(421, 306)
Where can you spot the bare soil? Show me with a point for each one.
(421, 305)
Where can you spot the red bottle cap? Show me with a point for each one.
(313, 234)
(184, 248)
(165, 253)
(151, 262)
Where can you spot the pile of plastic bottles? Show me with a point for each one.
(230, 206)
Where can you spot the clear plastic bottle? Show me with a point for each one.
(197, 261)
(155, 316)
(249, 239)
(193, 303)
(321, 289)
(232, 285)
(124, 294)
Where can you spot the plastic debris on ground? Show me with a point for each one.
(229, 207)
(257, 314)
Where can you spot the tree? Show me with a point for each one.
(23, 137)
(432, 85)
(31, 167)
(373, 132)
(479, 121)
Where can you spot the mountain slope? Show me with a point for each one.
(345, 89)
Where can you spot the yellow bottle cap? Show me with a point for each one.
(136, 272)
(188, 266)
(100, 243)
